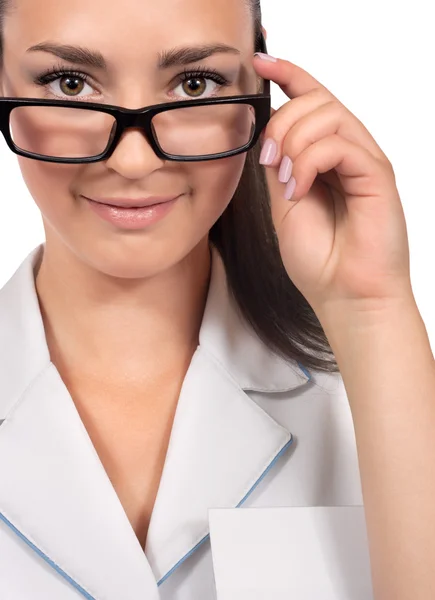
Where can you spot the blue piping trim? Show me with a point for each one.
(48, 560)
(305, 371)
(183, 559)
(238, 505)
(289, 443)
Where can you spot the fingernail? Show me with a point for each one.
(285, 169)
(265, 56)
(268, 152)
(290, 188)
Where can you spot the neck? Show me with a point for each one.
(117, 329)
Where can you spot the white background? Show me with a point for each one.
(378, 58)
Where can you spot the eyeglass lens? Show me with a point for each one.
(64, 132)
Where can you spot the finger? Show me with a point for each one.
(361, 175)
(262, 136)
(304, 121)
(293, 80)
(285, 117)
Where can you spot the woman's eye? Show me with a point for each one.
(201, 83)
(197, 87)
(65, 85)
(71, 85)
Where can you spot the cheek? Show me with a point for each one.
(49, 185)
(215, 182)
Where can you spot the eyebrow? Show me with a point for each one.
(167, 59)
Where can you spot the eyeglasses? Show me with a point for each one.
(70, 131)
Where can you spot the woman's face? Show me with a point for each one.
(130, 35)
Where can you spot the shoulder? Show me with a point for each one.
(324, 458)
(23, 349)
(319, 403)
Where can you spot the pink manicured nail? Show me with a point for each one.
(265, 56)
(285, 169)
(268, 152)
(290, 188)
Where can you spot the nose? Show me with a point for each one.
(133, 156)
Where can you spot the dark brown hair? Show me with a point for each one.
(245, 237)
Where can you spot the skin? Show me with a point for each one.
(122, 309)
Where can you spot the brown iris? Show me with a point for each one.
(194, 85)
(71, 85)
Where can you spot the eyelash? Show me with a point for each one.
(58, 71)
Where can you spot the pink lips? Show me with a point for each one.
(134, 202)
(133, 218)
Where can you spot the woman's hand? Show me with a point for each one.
(342, 236)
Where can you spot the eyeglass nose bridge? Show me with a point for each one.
(138, 117)
(135, 119)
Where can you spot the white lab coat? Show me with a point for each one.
(251, 431)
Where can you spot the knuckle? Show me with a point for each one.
(274, 130)
(291, 146)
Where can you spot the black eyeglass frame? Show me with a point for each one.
(133, 118)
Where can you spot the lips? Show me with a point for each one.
(132, 218)
(133, 202)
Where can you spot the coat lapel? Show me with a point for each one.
(55, 493)
(222, 442)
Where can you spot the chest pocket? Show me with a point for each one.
(290, 552)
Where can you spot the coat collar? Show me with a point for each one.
(55, 493)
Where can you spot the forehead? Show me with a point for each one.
(126, 25)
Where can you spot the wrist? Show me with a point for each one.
(366, 314)
(373, 335)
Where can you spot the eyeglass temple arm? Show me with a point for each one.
(263, 48)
